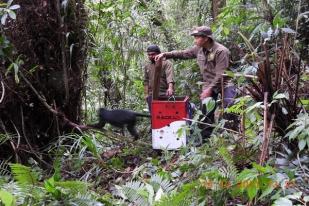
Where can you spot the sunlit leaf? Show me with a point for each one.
(3, 19)
(301, 144)
(252, 189)
(283, 202)
(12, 14)
(14, 7)
(7, 198)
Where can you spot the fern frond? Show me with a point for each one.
(17, 191)
(4, 170)
(84, 200)
(183, 198)
(75, 187)
(5, 137)
(158, 181)
(24, 175)
(230, 171)
(187, 196)
(134, 192)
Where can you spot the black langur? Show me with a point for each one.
(120, 118)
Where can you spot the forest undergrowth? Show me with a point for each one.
(262, 161)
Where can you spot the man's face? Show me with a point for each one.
(152, 55)
(200, 41)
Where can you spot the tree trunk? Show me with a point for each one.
(49, 38)
(216, 5)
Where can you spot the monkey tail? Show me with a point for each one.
(142, 114)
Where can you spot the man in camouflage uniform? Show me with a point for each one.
(166, 77)
(212, 58)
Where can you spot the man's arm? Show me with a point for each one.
(169, 72)
(182, 54)
(146, 91)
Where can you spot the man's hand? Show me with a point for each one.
(159, 57)
(206, 93)
(169, 92)
(170, 89)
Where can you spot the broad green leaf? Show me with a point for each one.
(252, 189)
(7, 198)
(210, 104)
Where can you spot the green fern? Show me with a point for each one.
(141, 193)
(239, 105)
(158, 182)
(7, 198)
(24, 175)
(20, 193)
(299, 130)
(179, 199)
(84, 200)
(5, 137)
(133, 192)
(230, 171)
(75, 187)
(4, 171)
(188, 195)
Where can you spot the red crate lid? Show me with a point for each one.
(165, 112)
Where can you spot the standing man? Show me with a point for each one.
(166, 77)
(213, 59)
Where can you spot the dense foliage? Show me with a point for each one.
(263, 162)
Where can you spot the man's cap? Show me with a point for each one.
(153, 48)
(202, 31)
